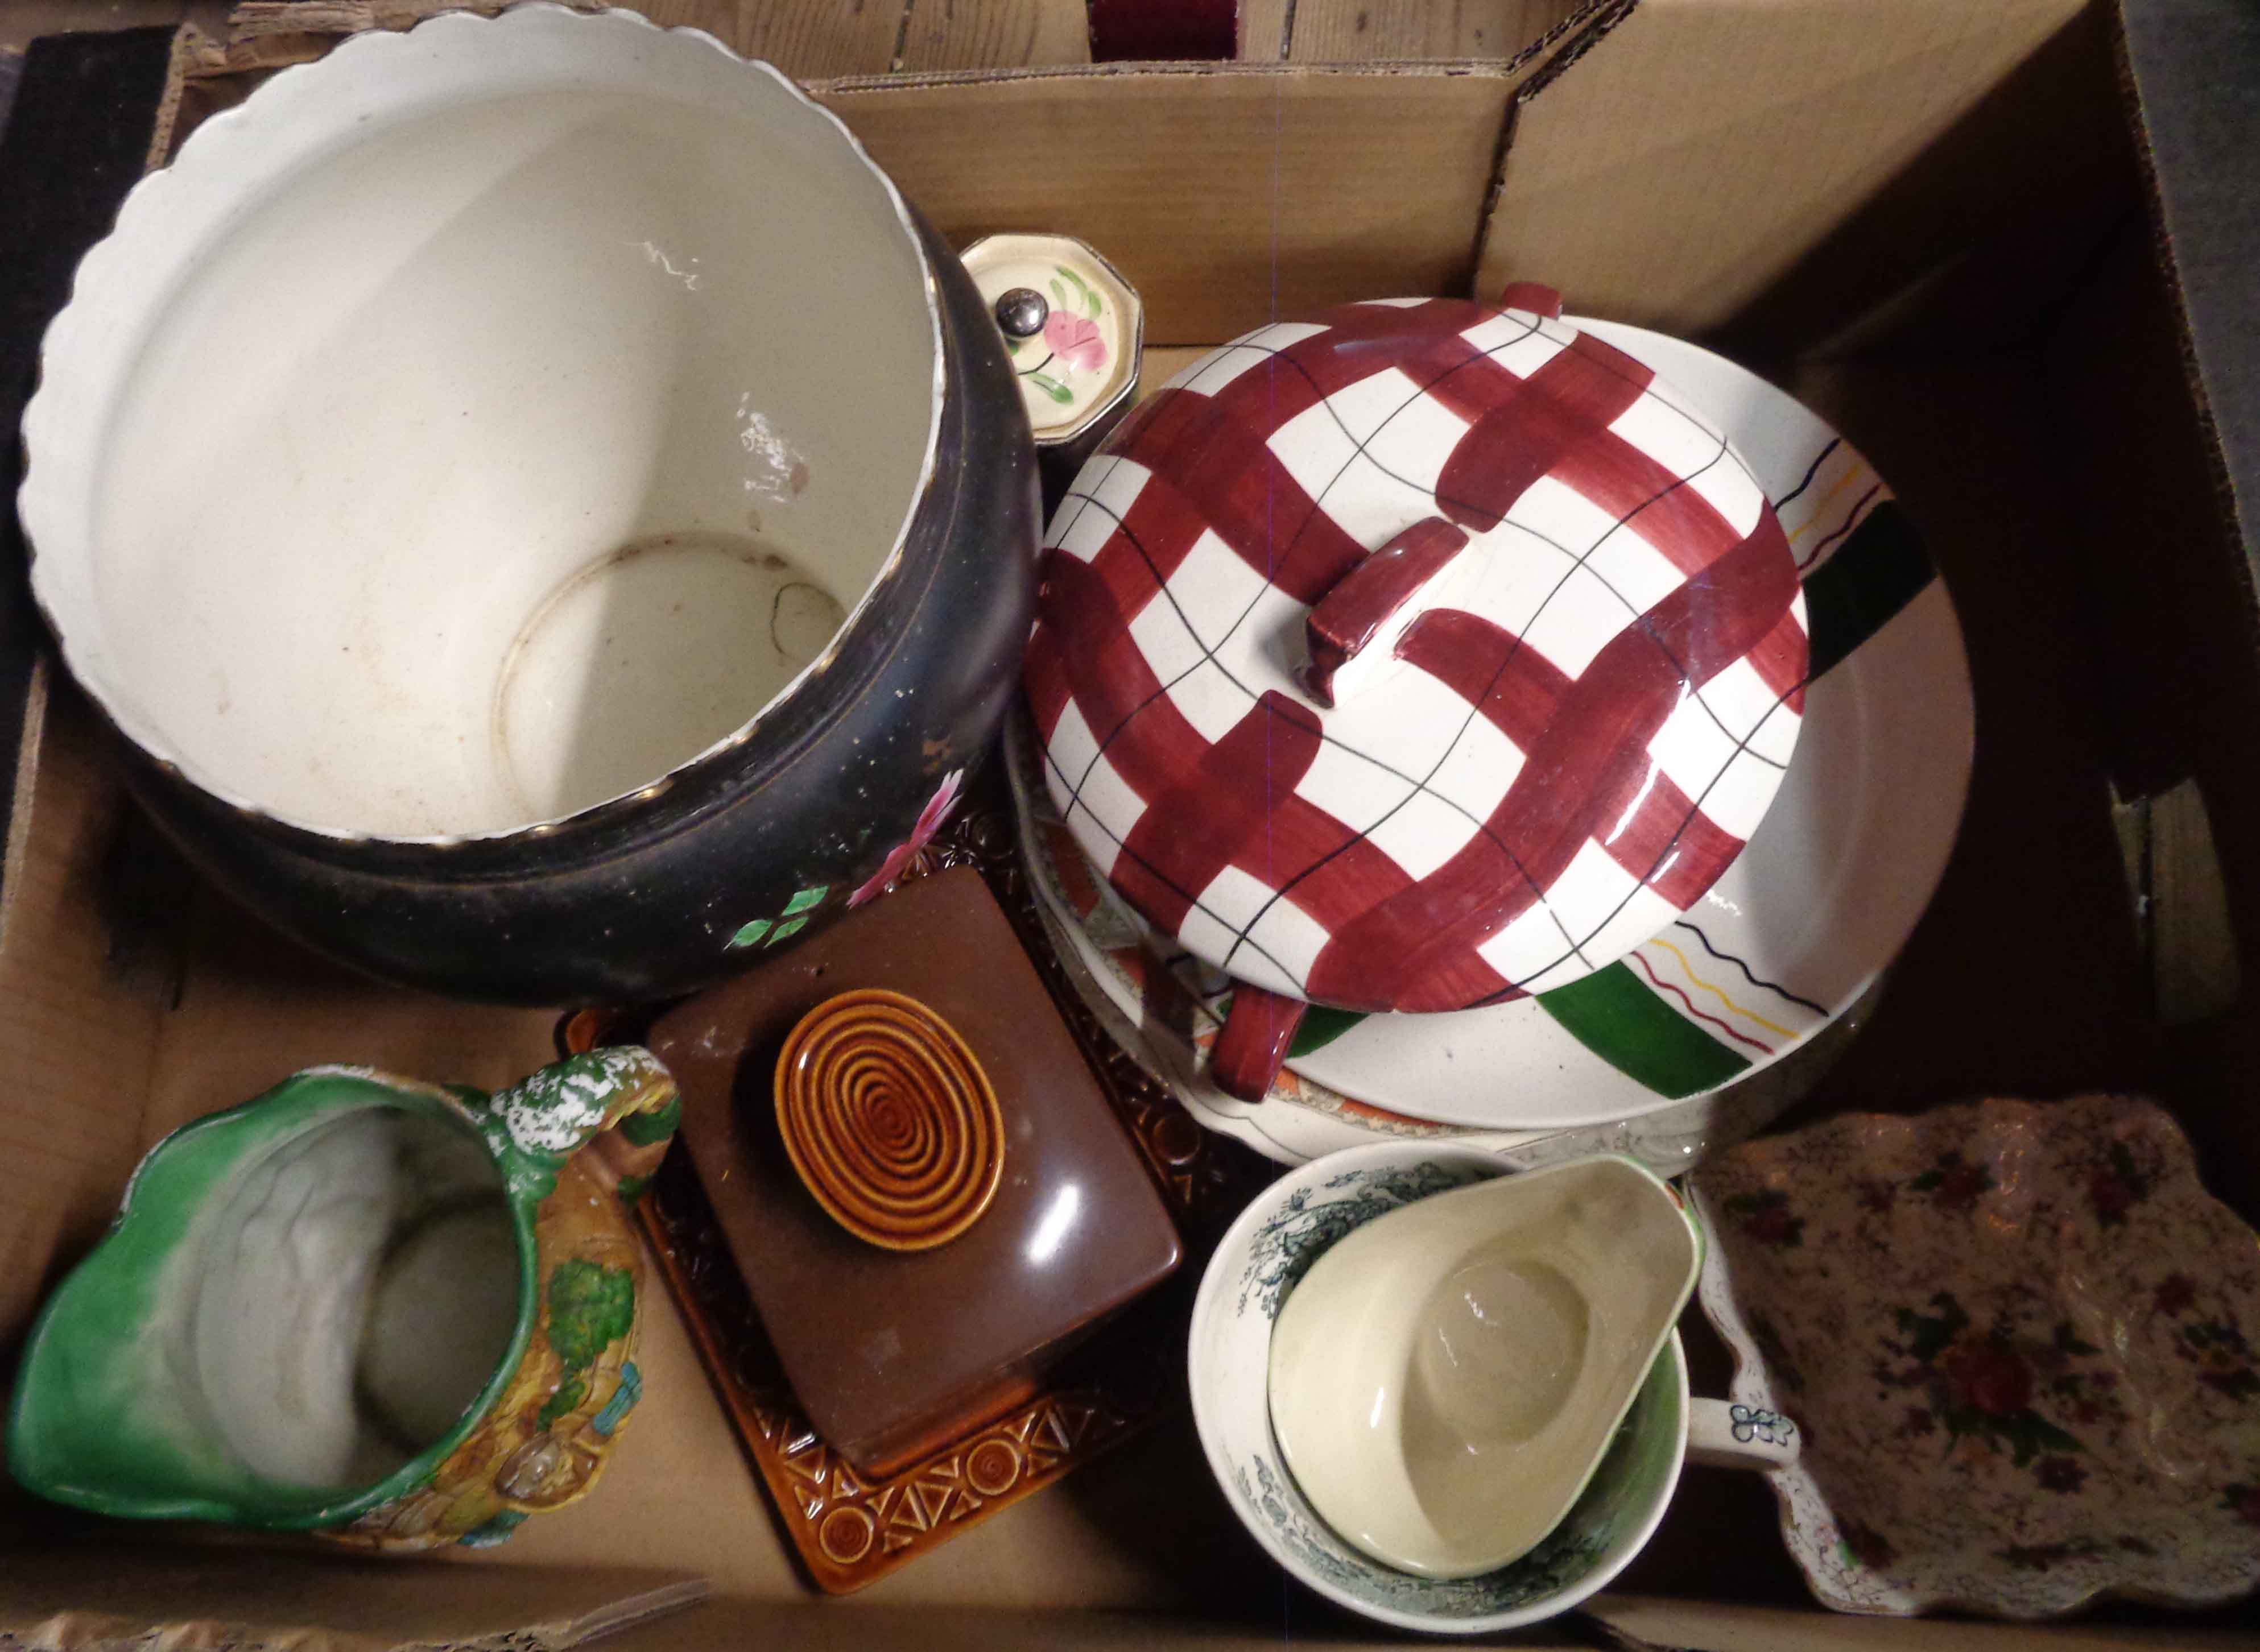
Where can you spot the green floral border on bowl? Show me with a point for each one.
(1605, 1517)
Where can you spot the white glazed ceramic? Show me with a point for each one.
(1595, 708)
(1788, 948)
(1445, 1380)
(2027, 1343)
(422, 311)
(1259, 1261)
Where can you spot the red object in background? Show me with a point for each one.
(1164, 30)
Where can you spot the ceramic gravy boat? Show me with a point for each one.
(1446, 1379)
(399, 1313)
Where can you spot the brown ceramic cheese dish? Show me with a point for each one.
(892, 1353)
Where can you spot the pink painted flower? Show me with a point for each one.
(1989, 1376)
(1074, 341)
(931, 820)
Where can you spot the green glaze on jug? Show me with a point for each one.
(400, 1314)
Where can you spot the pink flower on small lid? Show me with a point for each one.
(1074, 341)
(931, 820)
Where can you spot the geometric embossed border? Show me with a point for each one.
(848, 1530)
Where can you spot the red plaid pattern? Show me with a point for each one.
(1568, 755)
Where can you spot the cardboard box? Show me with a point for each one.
(1924, 217)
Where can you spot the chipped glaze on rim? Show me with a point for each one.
(64, 428)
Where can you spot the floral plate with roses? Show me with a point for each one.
(2021, 1340)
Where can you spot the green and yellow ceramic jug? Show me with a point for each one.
(398, 1314)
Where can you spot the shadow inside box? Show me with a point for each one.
(1937, 260)
(2024, 977)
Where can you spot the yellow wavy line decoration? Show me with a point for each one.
(1690, 970)
(1819, 504)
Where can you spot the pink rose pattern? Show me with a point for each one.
(1978, 1426)
(931, 820)
(1074, 341)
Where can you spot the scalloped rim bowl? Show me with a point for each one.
(449, 334)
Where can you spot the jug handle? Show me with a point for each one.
(618, 1101)
(620, 1104)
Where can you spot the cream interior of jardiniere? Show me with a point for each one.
(496, 460)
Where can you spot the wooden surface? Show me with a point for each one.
(1386, 31)
(816, 39)
(813, 39)
(820, 39)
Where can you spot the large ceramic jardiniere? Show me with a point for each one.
(400, 1314)
(1415, 656)
(550, 520)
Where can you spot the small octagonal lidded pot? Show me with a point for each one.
(1075, 330)
(1414, 658)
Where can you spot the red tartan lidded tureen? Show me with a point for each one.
(1414, 658)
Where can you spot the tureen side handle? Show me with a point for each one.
(1253, 1046)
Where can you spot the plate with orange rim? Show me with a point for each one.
(1710, 1029)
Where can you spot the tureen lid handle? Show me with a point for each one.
(1355, 630)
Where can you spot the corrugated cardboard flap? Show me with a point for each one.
(248, 1599)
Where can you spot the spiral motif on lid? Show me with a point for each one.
(889, 1119)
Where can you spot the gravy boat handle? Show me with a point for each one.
(1729, 1434)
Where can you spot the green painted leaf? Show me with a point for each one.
(570, 1392)
(1012, 344)
(1051, 388)
(1071, 276)
(750, 934)
(1930, 1336)
(590, 1306)
(805, 899)
(1059, 295)
(1092, 299)
(790, 926)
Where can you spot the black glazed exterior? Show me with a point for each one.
(738, 856)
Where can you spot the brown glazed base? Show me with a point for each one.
(850, 1530)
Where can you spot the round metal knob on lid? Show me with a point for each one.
(1021, 311)
(888, 1119)
(1413, 657)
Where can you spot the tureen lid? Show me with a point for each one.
(1073, 327)
(1416, 656)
